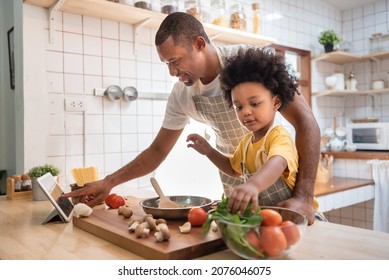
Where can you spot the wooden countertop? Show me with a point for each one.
(338, 184)
(359, 155)
(22, 236)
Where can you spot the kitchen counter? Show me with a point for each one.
(339, 184)
(359, 155)
(22, 236)
(341, 192)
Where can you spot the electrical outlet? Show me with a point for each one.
(75, 104)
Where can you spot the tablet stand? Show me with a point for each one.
(54, 217)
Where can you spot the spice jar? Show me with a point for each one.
(256, 18)
(26, 183)
(193, 7)
(237, 17)
(17, 183)
(143, 5)
(169, 6)
(219, 16)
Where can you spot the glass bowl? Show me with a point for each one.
(265, 242)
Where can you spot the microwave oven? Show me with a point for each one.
(372, 136)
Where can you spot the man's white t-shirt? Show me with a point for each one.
(181, 107)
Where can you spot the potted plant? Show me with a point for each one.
(39, 171)
(329, 38)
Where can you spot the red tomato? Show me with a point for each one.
(270, 217)
(197, 216)
(109, 198)
(273, 240)
(291, 232)
(253, 238)
(117, 201)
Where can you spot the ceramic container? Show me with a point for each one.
(377, 84)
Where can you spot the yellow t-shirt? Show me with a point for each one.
(278, 142)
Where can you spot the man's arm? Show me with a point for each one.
(147, 161)
(300, 115)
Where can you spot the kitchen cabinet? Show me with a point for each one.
(140, 18)
(342, 58)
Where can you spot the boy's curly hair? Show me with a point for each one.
(262, 66)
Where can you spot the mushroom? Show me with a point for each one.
(132, 225)
(161, 221)
(162, 233)
(151, 222)
(185, 228)
(141, 231)
(125, 211)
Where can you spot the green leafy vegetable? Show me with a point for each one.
(236, 236)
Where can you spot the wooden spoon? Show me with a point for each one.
(164, 202)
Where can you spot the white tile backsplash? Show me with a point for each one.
(72, 23)
(91, 26)
(74, 84)
(92, 45)
(72, 43)
(110, 29)
(92, 65)
(73, 63)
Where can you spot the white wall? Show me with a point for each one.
(92, 53)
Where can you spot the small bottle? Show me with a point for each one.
(219, 16)
(26, 183)
(17, 183)
(193, 7)
(351, 83)
(237, 17)
(169, 6)
(256, 18)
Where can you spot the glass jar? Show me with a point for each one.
(219, 14)
(169, 6)
(143, 4)
(237, 17)
(193, 7)
(256, 18)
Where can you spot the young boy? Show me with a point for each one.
(257, 83)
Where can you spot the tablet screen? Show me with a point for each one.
(54, 193)
(63, 202)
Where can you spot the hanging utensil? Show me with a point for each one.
(130, 94)
(113, 92)
(164, 202)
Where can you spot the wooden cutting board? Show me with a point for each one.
(107, 224)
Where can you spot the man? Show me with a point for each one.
(185, 48)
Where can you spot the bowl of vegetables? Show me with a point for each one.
(269, 233)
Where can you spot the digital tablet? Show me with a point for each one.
(53, 191)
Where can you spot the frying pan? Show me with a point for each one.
(186, 202)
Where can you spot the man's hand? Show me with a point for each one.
(92, 193)
(301, 206)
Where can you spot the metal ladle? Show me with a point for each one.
(130, 94)
(113, 92)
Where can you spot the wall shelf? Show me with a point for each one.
(339, 57)
(346, 93)
(145, 18)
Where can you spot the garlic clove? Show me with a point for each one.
(82, 210)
